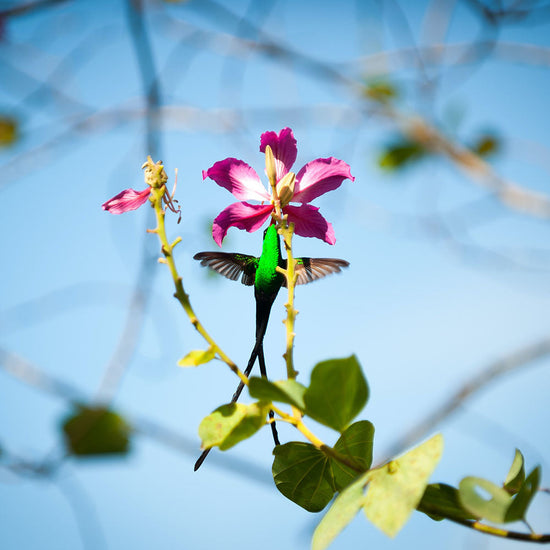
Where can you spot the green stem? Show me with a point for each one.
(503, 533)
(156, 178)
(298, 423)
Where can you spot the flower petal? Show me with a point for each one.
(309, 223)
(241, 215)
(126, 200)
(318, 177)
(283, 147)
(238, 178)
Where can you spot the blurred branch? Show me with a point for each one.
(30, 7)
(520, 358)
(140, 299)
(34, 377)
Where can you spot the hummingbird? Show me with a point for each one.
(267, 280)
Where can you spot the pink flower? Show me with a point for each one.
(126, 200)
(314, 179)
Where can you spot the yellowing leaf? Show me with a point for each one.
(396, 488)
(197, 357)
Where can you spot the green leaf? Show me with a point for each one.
(197, 357)
(283, 391)
(337, 392)
(302, 474)
(396, 488)
(441, 501)
(494, 508)
(96, 431)
(356, 444)
(231, 423)
(381, 90)
(8, 130)
(400, 154)
(516, 475)
(486, 145)
(342, 511)
(522, 500)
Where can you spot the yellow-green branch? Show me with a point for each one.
(156, 178)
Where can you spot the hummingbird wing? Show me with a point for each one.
(311, 269)
(230, 265)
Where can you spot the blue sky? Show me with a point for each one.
(422, 311)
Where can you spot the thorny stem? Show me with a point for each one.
(156, 178)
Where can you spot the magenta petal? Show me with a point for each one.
(284, 149)
(309, 223)
(238, 178)
(318, 177)
(241, 215)
(126, 200)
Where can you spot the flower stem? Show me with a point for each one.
(156, 178)
(290, 274)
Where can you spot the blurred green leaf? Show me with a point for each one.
(396, 488)
(302, 474)
(197, 357)
(231, 423)
(486, 145)
(342, 511)
(441, 501)
(96, 431)
(400, 154)
(8, 130)
(516, 475)
(522, 500)
(283, 391)
(382, 91)
(356, 444)
(493, 508)
(337, 392)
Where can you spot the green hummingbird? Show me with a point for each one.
(262, 273)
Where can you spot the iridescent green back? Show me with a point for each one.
(268, 279)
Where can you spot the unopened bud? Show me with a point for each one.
(285, 188)
(270, 167)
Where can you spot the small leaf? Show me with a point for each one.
(342, 511)
(197, 357)
(396, 488)
(301, 473)
(381, 90)
(231, 423)
(522, 500)
(401, 154)
(486, 145)
(96, 431)
(283, 391)
(356, 444)
(441, 501)
(337, 392)
(492, 509)
(516, 475)
(8, 130)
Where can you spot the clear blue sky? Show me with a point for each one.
(422, 310)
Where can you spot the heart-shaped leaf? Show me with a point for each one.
(493, 508)
(283, 391)
(96, 431)
(396, 488)
(355, 443)
(302, 473)
(337, 392)
(231, 423)
(342, 511)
